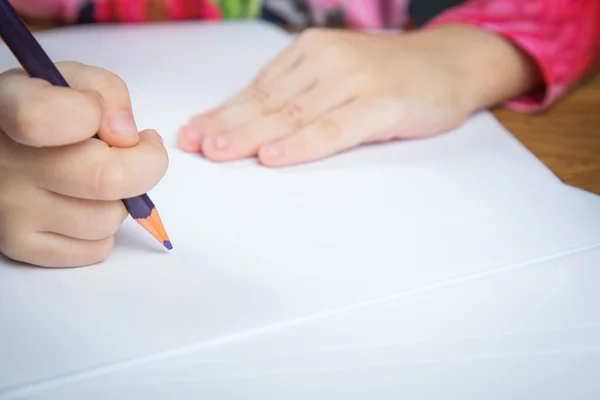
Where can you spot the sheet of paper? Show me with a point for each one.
(553, 376)
(516, 368)
(258, 248)
(548, 300)
(531, 311)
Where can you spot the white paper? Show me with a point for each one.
(256, 248)
(462, 370)
(552, 376)
(545, 305)
(533, 312)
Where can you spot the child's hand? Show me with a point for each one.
(333, 90)
(60, 188)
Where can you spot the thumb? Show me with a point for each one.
(118, 127)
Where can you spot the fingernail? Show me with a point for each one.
(192, 135)
(122, 124)
(221, 142)
(272, 150)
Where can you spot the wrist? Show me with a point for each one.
(488, 68)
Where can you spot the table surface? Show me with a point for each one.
(566, 137)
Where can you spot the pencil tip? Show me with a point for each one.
(154, 225)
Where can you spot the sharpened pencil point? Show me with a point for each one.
(154, 225)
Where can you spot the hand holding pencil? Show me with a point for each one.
(61, 187)
(69, 146)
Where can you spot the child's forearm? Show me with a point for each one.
(491, 69)
(561, 36)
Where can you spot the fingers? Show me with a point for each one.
(339, 130)
(264, 100)
(191, 136)
(37, 114)
(246, 140)
(286, 76)
(49, 230)
(287, 60)
(117, 127)
(92, 170)
(261, 100)
(78, 218)
(281, 91)
(46, 249)
(317, 99)
(282, 63)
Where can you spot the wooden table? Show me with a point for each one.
(566, 137)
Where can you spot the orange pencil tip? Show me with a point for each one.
(154, 225)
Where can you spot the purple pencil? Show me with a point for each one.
(37, 64)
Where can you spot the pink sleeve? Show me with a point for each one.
(560, 35)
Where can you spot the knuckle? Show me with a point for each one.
(260, 92)
(231, 117)
(329, 129)
(109, 181)
(66, 66)
(218, 122)
(30, 122)
(12, 72)
(83, 76)
(100, 78)
(294, 115)
(261, 76)
(102, 250)
(264, 101)
(107, 221)
(7, 76)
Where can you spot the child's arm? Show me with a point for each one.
(561, 36)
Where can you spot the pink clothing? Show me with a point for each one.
(562, 36)
(362, 14)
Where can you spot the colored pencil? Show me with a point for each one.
(37, 64)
